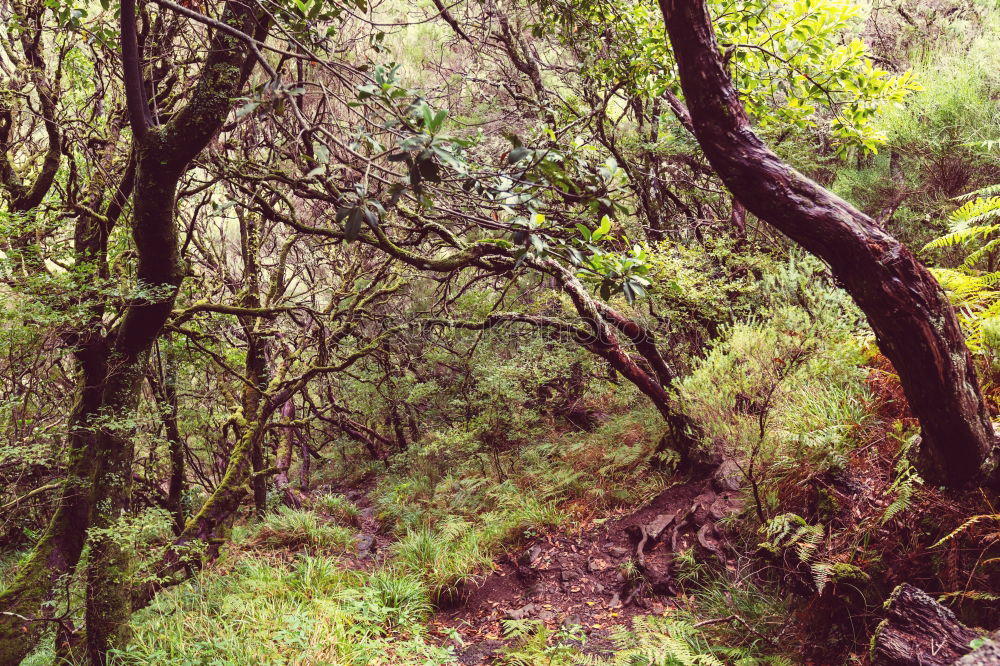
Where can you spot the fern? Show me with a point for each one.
(988, 191)
(966, 526)
(790, 531)
(975, 224)
(661, 641)
(904, 485)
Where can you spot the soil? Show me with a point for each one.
(593, 576)
(583, 579)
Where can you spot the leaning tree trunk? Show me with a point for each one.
(914, 324)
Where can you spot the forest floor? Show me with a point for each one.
(584, 579)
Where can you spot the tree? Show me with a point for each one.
(914, 324)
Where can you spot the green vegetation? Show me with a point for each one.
(336, 332)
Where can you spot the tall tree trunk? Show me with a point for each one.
(159, 269)
(163, 153)
(56, 554)
(256, 359)
(176, 484)
(914, 323)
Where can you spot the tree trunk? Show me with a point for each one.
(919, 631)
(283, 461)
(914, 324)
(304, 470)
(163, 153)
(176, 487)
(256, 360)
(159, 269)
(656, 385)
(57, 552)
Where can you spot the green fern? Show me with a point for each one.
(975, 225)
(660, 641)
(973, 220)
(904, 485)
(988, 191)
(790, 531)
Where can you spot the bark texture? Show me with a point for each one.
(919, 631)
(914, 323)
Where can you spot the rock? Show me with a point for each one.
(597, 564)
(654, 530)
(531, 556)
(535, 590)
(598, 588)
(571, 621)
(522, 612)
(728, 476)
(546, 615)
(368, 513)
(366, 544)
(615, 602)
(617, 551)
(567, 575)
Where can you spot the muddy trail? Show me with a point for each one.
(593, 577)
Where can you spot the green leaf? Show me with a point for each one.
(602, 230)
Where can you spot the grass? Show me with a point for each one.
(252, 608)
(338, 508)
(296, 528)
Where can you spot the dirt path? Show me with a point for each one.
(599, 578)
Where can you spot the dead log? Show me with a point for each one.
(918, 631)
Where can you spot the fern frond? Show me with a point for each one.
(988, 191)
(976, 256)
(966, 525)
(963, 235)
(974, 213)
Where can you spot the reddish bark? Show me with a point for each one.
(914, 324)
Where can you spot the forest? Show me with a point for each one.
(516, 332)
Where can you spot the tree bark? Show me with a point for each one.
(283, 461)
(914, 324)
(163, 153)
(256, 359)
(56, 554)
(177, 485)
(918, 631)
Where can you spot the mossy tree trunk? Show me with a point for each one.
(256, 359)
(56, 554)
(163, 153)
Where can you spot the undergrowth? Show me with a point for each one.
(256, 609)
